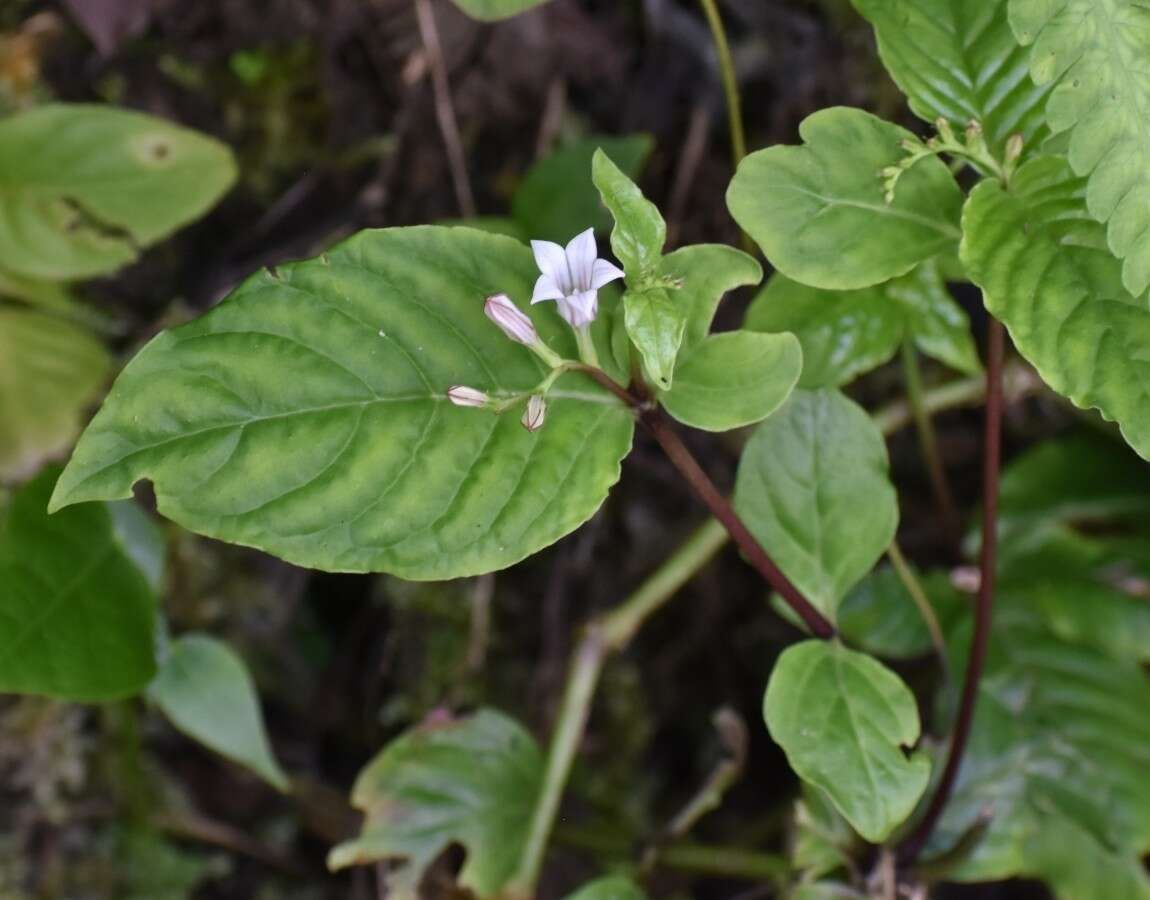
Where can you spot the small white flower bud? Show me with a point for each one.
(535, 413)
(1014, 147)
(461, 395)
(511, 320)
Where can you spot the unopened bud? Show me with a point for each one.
(1014, 147)
(510, 319)
(461, 395)
(535, 413)
(973, 130)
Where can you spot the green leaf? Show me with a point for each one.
(1045, 272)
(706, 272)
(959, 61)
(494, 10)
(471, 781)
(557, 198)
(843, 720)
(819, 213)
(83, 188)
(50, 370)
(937, 324)
(1058, 754)
(640, 232)
(78, 616)
(307, 416)
(880, 616)
(655, 323)
(823, 841)
(609, 888)
(734, 379)
(204, 688)
(813, 487)
(825, 890)
(843, 333)
(1094, 52)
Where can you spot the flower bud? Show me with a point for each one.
(461, 395)
(510, 319)
(1014, 147)
(535, 413)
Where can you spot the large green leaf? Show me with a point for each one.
(78, 616)
(471, 781)
(880, 616)
(734, 379)
(307, 415)
(50, 370)
(705, 273)
(1058, 758)
(813, 487)
(959, 61)
(206, 691)
(1094, 52)
(83, 188)
(1045, 272)
(557, 198)
(843, 720)
(655, 323)
(494, 10)
(819, 213)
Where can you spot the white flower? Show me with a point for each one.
(510, 319)
(461, 395)
(535, 413)
(572, 277)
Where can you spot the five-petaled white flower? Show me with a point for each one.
(572, 277)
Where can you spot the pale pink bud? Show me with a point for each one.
(510, 319)
(461, 395)
(535, 413)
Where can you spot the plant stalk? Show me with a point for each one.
(984, 606)
(927, 439)
(729, 78)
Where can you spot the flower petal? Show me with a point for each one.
(546, 289)
(580, 309)
(603, 273)
(581, 259)
(552, 261)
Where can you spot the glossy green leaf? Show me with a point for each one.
(1045, 272)
(959, 61)
(494, 10)
(734, 379)
(705, 273)
(610, 888)
(1093, 52)
(307, 416)
(880, 616)
(813, 487)
(1058, 755)
(557, 198)
(843, 720)
(471, 781)
(819, 213)
(204, 688)
(843, 333)
(938, 326)
(83, 187)
(655, 323)
(640, 232)
(50, 370)
(78, 617)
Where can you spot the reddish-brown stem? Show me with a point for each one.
(722, 510)
(984, 606)
(720, 507)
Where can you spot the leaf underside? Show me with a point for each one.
(307, 416)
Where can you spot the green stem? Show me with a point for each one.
(730, 862)
(587, 351)
(730, 80)
(914, 587)
(928, 441)
(614, 630)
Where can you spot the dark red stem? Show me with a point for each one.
(984, 606)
